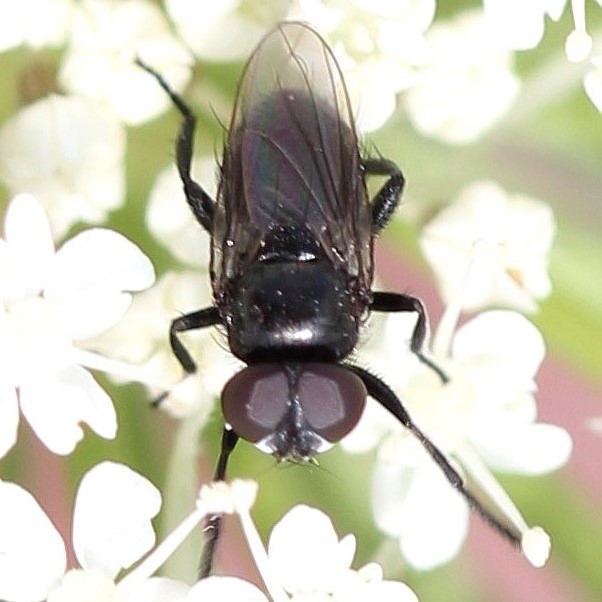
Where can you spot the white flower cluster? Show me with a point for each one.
(69, 150)
(112, 532)
(51, 302)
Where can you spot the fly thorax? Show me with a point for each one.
(301, 310)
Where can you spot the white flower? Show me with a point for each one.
(466, 83)
(170, 219)
(579, 43)
(223, 31)
(50, 302)
(491, 248)
(578, 47)
(141, 337)
(417, 506)
(311, 563)
(485, 417)
(35, 23)
(107, 37)
(223, 588)
(111, 519)
(378, 45)
(111, 530)
(592, 82)
(69, 152)
(503, 352)
(32, 554)
(216, 498)
(519, 24)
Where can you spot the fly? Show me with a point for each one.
(292, 236)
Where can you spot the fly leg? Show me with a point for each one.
(203, 318)
(391, 302)
(383, 206)
(382, 393)
(387, 198)
(213, 522)
(193, 321)
(209, 316)
(200, 202)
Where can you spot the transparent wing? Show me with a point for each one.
(292, 158)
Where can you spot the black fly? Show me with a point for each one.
(292, 235)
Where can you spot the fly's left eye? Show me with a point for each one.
(255, 400)
(332, 398)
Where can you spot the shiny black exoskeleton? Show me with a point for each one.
(292, 258)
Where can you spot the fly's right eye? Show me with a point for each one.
(332, 398)
(255, 400)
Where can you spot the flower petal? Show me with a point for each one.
(171, 221)
(223, 588)
(90, 585)
(388, 591)
(56, 404)
(155, 589)
(32, 553)
(111, 521)
(89, 276)
(305, 551)
(420, 508)
(99, 63)
(49, 28)
(221, 31)
(466, 65)
(491, 247)
(529, 449)
(27, 232)
(68, 151)
(519, 25)
(501, 333)
(374, 425)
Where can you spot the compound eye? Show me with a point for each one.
(333, 399)
(255, 400)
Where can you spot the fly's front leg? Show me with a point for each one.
(200, 202)
(193, 321)
(387, 198)
(213, 522)
(392, 302)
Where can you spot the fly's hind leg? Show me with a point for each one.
(387, 198)
(202, 205)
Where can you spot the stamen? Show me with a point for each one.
(535, 545)
(444, 332)
(534, 541)
(227, 498)
(118, 368)
(261, 558)
(215, 498)
(166, 548)
(579, 43)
